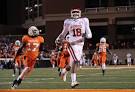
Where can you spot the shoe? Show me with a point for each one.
(15, 84)
(13, 75)
(103, 72)
(74, 84)
(59, 74)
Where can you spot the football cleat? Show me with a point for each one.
(74, 84)
(13, 75)
(15, 84)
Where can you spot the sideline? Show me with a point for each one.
(68, 90)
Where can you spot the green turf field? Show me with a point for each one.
(90, 78)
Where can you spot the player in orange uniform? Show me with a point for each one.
(33, 45)
(18, 60)
(64, 60)
(102, 48)
(95, 59)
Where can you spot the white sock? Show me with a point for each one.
(73, 77)
(53, 66)
(63, 71)
(65, 76)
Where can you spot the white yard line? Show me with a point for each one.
(123, 67)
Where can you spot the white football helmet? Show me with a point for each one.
(75, 13)
(33, 31)
(103, 40)
(17, 42)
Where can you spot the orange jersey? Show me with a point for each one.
(102, 47)
(32, 45)
(64, 59)
(16, 47)
(102, 51)
(95, 58)
(53, 58)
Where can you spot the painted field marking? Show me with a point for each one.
(68, 90)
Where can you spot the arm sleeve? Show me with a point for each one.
(64, 31)
(24, 39)
(88, 30)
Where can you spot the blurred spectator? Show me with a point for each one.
(115, 59)
(129, 59)
(83, 60)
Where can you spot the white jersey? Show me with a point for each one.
(128, 57)
(76, 29)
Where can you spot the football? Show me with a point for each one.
(68, 68)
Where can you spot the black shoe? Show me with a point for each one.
(16, 83)
(59, 74)
(103, 72)
(19, 81)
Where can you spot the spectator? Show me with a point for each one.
(129, 59)
(115, 59)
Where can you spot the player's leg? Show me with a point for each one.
(64, 74)
(18, 66)
(14, 69)
(95, 63)
(81, 63)
(103, 66)
(17, 81)
(28, 68)
(62, 65)
(76, 53)
(74, 82)
(53, 65)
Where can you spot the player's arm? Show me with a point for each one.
(107, 49)
(41, 48)
(63, 33)
(88, 33)
(20, 50)
(97, 48)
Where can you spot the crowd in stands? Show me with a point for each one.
(7, 42)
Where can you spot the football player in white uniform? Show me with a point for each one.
(74, 31)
